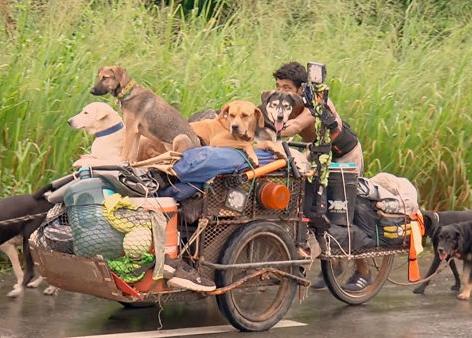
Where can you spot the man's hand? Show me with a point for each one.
(296, 125)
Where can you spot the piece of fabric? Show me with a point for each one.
(119, 219)
(159, 224)
(385, 231)
(393, 195)
(199, 165)
(359, 239)
(131, 270)
(181, 191)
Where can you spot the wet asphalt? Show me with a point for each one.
(394, 312)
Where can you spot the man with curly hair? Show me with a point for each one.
(345, 147)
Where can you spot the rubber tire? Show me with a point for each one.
(225, 302)
(356, 298)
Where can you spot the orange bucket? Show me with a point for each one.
(273, 195)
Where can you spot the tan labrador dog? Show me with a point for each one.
(102, 121)
(236, 127)
(144, 114)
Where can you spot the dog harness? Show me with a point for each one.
(111, 130)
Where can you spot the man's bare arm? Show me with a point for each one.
(296, 125)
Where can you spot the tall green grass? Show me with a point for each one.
(399, 72)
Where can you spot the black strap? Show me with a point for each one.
(344, 142)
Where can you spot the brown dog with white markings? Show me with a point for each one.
(236, 127)
(144, 114)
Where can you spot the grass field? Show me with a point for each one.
(399, 73)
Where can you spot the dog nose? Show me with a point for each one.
(92, 91)
(441, 251)
(234, 127)
(280, 118)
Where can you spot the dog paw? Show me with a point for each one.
(34, 284)
(18, 290)
(254, 161)
(419, 290)
(455, 288)
(51, 291)
(463, 296)
(280, 154)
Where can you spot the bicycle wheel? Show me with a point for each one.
(262, 301)
(336, 281)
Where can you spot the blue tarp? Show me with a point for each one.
(199, 165)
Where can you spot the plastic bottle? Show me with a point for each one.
(86, 190)
(91, 232)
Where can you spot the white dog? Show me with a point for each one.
(102, 121)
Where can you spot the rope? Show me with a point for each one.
(421, 281)
(327, 238)
(159, 313)
(22, 219)
(202, 223)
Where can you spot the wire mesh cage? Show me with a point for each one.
(97, 231)
(219, 192)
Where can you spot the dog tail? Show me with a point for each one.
(38, 194)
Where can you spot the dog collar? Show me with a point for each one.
(126, 91)
(111, 130)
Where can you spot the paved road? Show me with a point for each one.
(394, 312)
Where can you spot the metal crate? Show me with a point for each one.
(216, 194)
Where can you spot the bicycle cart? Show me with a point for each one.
(249, 250)
(247, 245)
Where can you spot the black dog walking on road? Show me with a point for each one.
(22, 206)
(455, 240)
(434, 221)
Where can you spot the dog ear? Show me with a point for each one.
(265, 96)
(298, 105)
(223, 112)
(259, 117)
(121, 75)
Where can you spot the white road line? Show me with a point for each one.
(191, 331)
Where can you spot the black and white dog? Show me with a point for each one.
(278, 107)
(12, 233)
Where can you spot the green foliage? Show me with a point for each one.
(398, 72)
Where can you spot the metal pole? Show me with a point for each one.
(256, 265)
